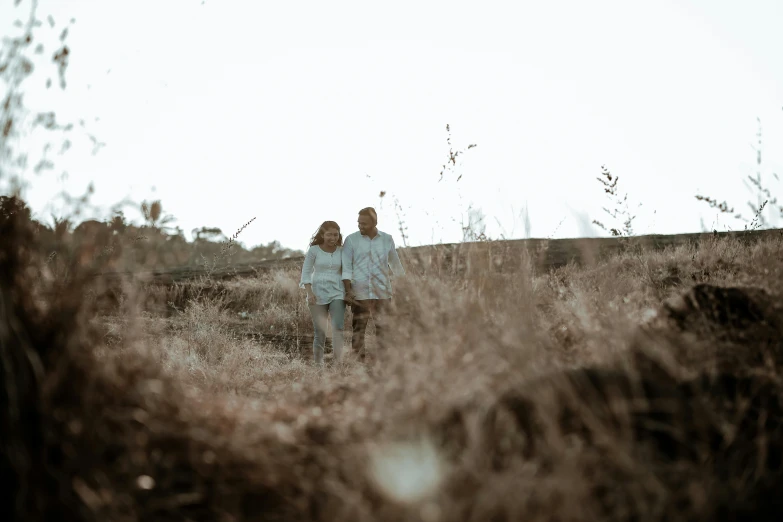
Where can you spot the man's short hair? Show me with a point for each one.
(369, 211)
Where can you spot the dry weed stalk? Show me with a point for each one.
(756, 184)
(453, 155)
(622, 219)
(225, 250)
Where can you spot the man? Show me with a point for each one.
(369, 261)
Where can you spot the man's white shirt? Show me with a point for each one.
(370, 265)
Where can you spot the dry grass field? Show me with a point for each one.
(646, 386)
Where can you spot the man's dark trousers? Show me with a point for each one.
(362, 310)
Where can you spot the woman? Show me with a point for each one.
(321, 277)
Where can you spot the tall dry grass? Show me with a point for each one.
(503, 396)
(575, 312)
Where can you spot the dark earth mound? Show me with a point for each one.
(710, 438)
(720, 329)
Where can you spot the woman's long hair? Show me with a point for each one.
(318, 237)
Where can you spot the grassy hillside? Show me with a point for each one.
(643, 385)
(496, 255)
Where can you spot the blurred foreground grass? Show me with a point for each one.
(636, 388)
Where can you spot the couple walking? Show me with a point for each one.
(357, 272)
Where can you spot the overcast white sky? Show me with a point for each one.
(298, 112)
